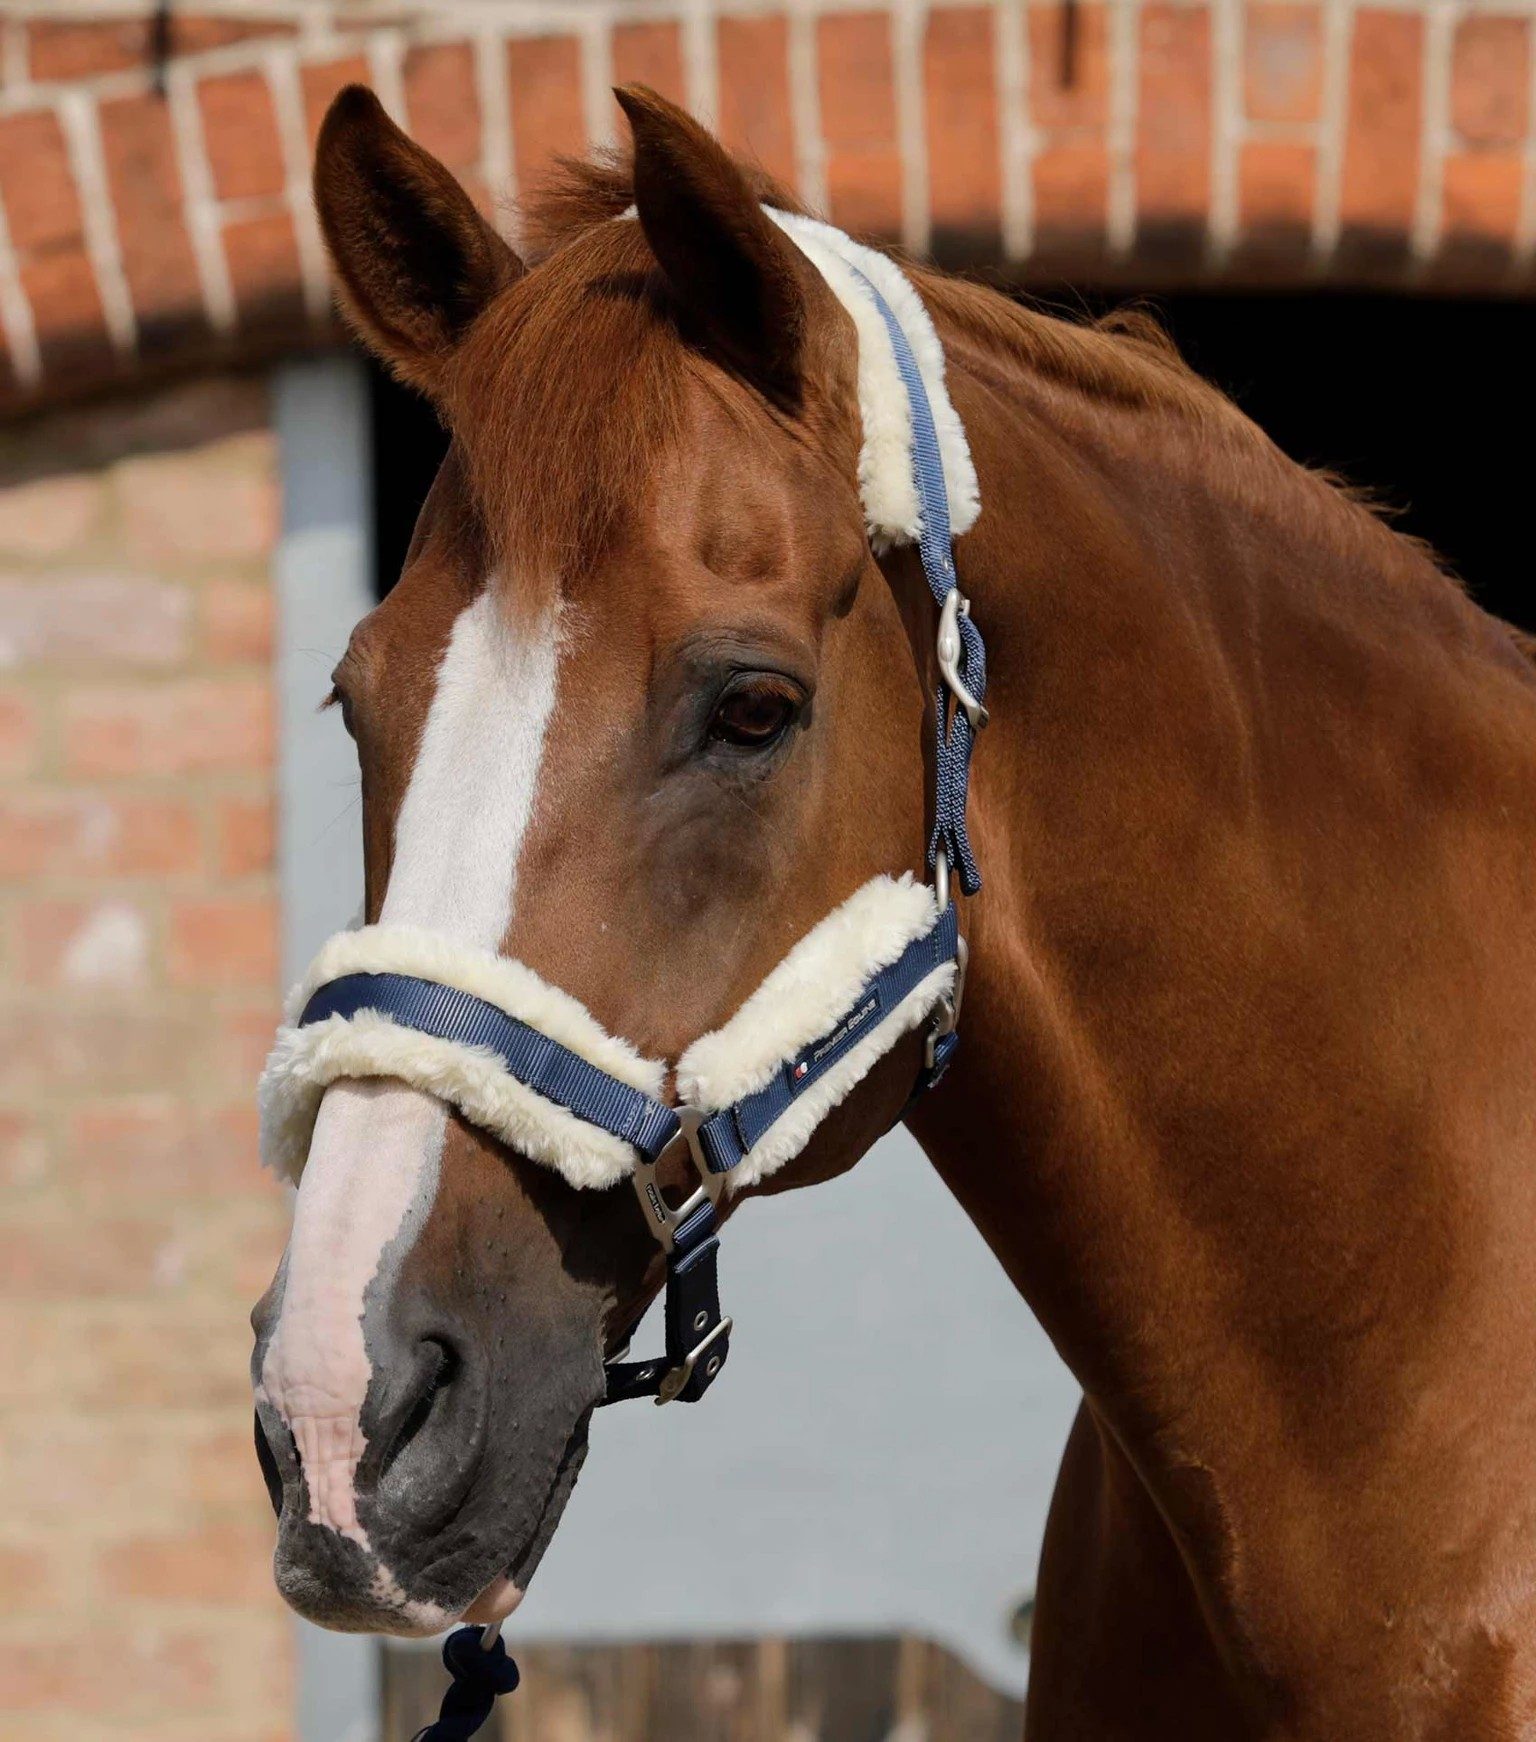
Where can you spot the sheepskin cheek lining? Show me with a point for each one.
(818, 982)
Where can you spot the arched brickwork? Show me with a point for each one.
(153, 181)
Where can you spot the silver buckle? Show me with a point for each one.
(949, 648)
(662, 1219)
(677, 1378)
(947, 1011)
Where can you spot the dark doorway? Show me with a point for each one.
(408, 447)
(1422, 400)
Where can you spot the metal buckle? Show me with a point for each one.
(947, 1011)
(676, 1380)
(662, 1219)
(949, 648)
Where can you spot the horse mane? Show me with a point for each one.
(1126, 356)
(595, 449)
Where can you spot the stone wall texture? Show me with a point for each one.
(154, 203)
(138, 970)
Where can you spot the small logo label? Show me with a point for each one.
(845, 1032)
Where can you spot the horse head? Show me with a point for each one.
(641, 732)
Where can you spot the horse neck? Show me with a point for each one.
(1245, 742)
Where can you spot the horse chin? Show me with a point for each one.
(363, 1581)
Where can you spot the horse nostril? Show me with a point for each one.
(440, 1367)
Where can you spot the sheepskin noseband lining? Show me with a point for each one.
(798, 1002)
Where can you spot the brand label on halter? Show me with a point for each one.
(821, 1053)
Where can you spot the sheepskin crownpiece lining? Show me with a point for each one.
(892, 509)
(801, 999)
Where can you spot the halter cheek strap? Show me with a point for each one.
(525, 1061)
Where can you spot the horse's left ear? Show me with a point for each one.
(745, 284)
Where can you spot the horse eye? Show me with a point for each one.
(752, 716)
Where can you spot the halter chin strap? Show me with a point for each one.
(527, 1062)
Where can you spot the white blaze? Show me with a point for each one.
(373, 1161)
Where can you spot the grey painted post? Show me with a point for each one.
(324, 575)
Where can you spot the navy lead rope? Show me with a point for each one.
(481, 1670)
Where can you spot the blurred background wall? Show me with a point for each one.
(1370, 169)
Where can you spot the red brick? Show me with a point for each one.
(47, 515)
(20, 731)
(196, 33)
(264, 271)
(320, 81)
(193, 726)
(241, 1042)
(64, 834)
(53, 1257)
(1072, 194)
(223, 940)
(147, 195)
(220, 504)
(42, 204)
(1283, 62)
(237, 621)
(26, 1586)
(544, 74)
(1490, 80)
(964, 155)
(752, 56)
(650, 53)
(246, 837)
(67, 314)
(214, 1563)
(1381, 154)
(1275, 185)
(858, 122)
(23, 1156)
(442, 101)
(1056, 101)
(1174, 136)
(245, 150)
(60, 51)
(101, 1358)
(1481, 194)
(103, 1046)
(70, 620)
(105, 941)
(69, 51)
(157, 1146)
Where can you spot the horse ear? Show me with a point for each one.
(729, 265)
(415, 259)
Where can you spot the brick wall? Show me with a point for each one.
(138, 966)
(153, 190)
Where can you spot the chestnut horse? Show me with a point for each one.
(1244, 1101)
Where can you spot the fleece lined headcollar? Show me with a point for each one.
(799, 1001)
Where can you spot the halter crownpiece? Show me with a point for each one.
(528, 1063)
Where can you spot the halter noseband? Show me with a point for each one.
(717, 1142)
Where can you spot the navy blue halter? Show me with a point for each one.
(697, 1334)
